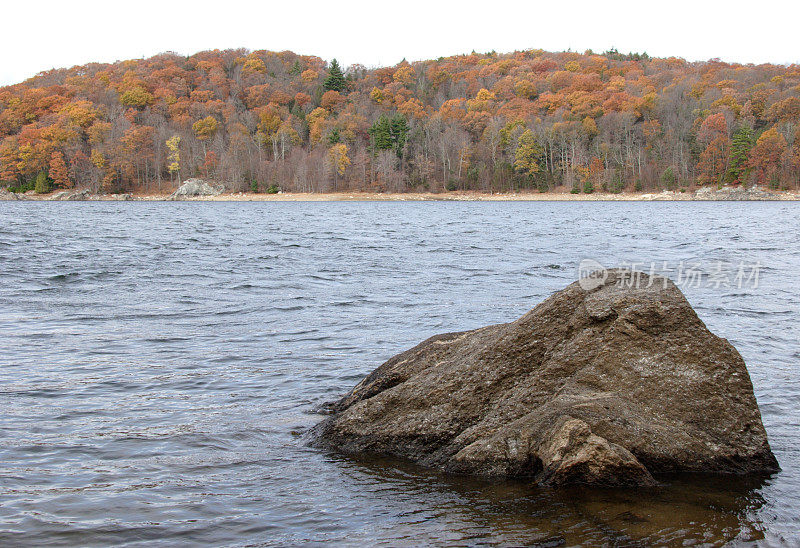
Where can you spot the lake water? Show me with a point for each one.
(159, 363)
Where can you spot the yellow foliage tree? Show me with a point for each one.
(376, 95)
(80, 113)
(526, 157)
(483, 101)
(254, 65)
(97, 159)
(337, 156)
(137, 97)
(174, 156)
(309, 76)
(316, 123)
(205, 128)
(404, 75)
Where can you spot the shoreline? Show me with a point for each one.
(703, 194)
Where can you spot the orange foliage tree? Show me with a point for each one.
(766, 155)
(714, 159)
(58, 171)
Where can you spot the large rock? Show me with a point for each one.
(112, 197)
(196, 187)
(7, 195)
(71, 195)
(728, 193)
(607, 385)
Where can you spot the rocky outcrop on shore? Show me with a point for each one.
(609, 385)
(6, 195)
(112, 197)
(195, 188)
(725, 193)
(735, 194)
(71, 196)
(67, 196)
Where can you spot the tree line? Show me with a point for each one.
(262, 120)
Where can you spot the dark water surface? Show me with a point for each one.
(159, 363)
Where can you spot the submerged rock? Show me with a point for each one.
(196, 187)
(609, 385)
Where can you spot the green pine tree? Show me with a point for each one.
(669, 179)
(296, 69)
(381, 133)
(335, 80)
(42, 183)
(399, 131)
(389, 133)
(743, 140)
(334, 136)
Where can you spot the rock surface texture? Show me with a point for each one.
(196, 187)
(607, 386)
(112, 197)
(71, 195)
(735, 194)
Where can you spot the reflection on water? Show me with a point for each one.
(713, 510)
(160, 362)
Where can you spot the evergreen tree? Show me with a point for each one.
(390, 133)
(335, 80)
(381, 133)
(296, 69)
(334, 136)
(41, 184)
(399, 132)
(669, 179)
(743, 140)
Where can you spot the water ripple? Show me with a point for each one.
(158, 362)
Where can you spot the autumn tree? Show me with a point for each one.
(338, 161)
(766, 155)
(714, 159)
(205, 130)
(58, 171)
(174, 157)
(8, 162)
(136, 97)
(210, 164)
(528, 155)
(404, 75)
(331, 100)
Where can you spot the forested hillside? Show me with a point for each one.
(531, 119)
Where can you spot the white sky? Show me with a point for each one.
(44, 34)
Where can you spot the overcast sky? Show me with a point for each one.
(49, 34)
